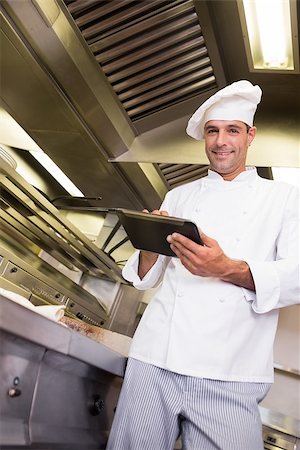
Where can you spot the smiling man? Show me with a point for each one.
(226, 146)
(201, 359)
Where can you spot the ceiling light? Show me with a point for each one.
(56, 173)
(270, 34)
(13, 135)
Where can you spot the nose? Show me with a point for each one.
(221, 138)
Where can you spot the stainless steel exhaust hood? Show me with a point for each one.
(82, 73)
(106, 87)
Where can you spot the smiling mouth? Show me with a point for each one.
(222, 153)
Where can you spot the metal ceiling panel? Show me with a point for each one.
(177, 174)
(153, 52)
(68, 108)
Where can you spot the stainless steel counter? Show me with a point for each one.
(280, 432)
(58, 389)
(28, 325)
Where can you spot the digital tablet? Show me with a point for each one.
(149, 231)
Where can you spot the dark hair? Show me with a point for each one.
(247, 127)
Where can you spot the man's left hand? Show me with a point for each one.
(206, 260)
(209, 260)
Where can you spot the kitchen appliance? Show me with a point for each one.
(58, 388)
(46, 256)
(280, 432)
(277, 440)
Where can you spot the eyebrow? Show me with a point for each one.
(230, 125)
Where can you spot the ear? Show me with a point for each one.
(251, 135)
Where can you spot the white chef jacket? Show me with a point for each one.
(205, 327)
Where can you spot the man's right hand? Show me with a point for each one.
(148, 259)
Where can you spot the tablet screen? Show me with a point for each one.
(149, 231)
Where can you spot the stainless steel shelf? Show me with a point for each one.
(27, 213)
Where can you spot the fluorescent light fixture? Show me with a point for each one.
(56, 173)
(13, 135)
(290, 175)
(270, 34)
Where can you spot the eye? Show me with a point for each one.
(211, 131)
(233, 131)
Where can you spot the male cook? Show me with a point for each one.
(201, 358)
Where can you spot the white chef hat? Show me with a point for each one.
(238, 101)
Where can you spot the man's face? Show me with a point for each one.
(226, 145)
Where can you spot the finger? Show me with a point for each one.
(186, 258)
(156, 212)
(183, 241)
(208, 241)
(183, 252)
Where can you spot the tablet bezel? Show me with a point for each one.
(148, 231)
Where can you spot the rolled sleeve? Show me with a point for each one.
(151, 279)
(277, 282)
(276, 285)
(267, 287)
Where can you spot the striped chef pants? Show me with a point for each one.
(157, 406)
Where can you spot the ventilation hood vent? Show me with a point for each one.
(153, 52)
(176, 174)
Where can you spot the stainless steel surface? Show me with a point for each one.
(28, 212)
(30, 276)
(177, 174)
(280, 432)
(35, 328)
(17, 276)
(280, 422)
(48, 47)
(156, 67)
(275, 440)
(48, 257)
(55, 376)
(81, 128)
(287, 370)
(53, 395)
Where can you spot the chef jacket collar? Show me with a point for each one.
(248, 175)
